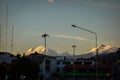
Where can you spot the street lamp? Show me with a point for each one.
(74, 46)
(44, 36)
(95, 46)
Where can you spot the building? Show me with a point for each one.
(83, 70)
(47, 65)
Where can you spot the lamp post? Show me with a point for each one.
(74, 46)
(44, 36)
(95, 46)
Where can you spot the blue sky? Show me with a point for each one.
(32, 18)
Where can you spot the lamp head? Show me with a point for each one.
(73, 26)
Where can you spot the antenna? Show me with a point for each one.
(0, 38)
(6, 27)
(12, 45)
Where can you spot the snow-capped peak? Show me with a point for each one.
(104, 49)
(39, 49)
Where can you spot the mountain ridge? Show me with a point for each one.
(103, 49)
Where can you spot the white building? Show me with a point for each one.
(47, 67)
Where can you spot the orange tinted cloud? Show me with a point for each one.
(71, 37)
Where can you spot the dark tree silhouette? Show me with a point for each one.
(2, 71)
(24, 67)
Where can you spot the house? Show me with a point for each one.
(6, 58)
(47, 64)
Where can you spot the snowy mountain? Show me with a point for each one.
(104, 49)
(52, 52)
(65, 54)
(41, 50)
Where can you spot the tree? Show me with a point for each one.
(2, 71)
(25, 67)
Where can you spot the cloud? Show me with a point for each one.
(71, 37)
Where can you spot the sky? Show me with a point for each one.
(32, 18)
